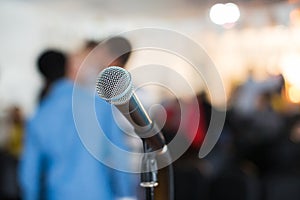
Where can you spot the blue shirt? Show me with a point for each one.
(56, 164)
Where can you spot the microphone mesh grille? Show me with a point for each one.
(114, 85)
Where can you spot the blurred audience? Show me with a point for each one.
(255, 158)
(257, 155)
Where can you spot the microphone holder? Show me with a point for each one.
(149, 175)
(152, 148)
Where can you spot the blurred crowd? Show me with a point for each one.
(257, 156)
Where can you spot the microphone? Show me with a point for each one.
(114, 85)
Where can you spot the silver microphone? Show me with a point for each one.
(115, 86)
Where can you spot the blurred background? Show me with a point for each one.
(254, 44)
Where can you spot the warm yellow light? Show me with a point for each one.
(294, 94)
(295, 17)
(223, 14)
(290, 66)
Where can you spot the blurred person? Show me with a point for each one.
(247, 95)
(55, 164)
(16, 119)
(190, 180)
(185, 113)
(203, 124)
(52, 66)
(115, 48)
(76, 59)
(118, 48)
(173, 119)
(9, 185)
(9, 153)
(266, 121)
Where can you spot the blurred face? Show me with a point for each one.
(108, 58)
(85, 65)
(74, 63)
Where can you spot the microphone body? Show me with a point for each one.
(143, 126)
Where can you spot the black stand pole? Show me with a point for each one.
(149, 193)
(149, 172)
(149, 175)
(154, 145)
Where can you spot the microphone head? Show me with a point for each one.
(114, 85)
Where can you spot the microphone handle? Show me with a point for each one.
(136, 114)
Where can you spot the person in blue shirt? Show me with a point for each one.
(56, 164)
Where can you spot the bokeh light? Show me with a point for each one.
(223, 14)
(290, 66)
(294, 94)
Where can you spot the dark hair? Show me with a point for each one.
(52, 64)
(119, 46)
(90, 44)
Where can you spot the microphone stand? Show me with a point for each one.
(149, 176)
(154, 146)
(149, 173)
(129, 105)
